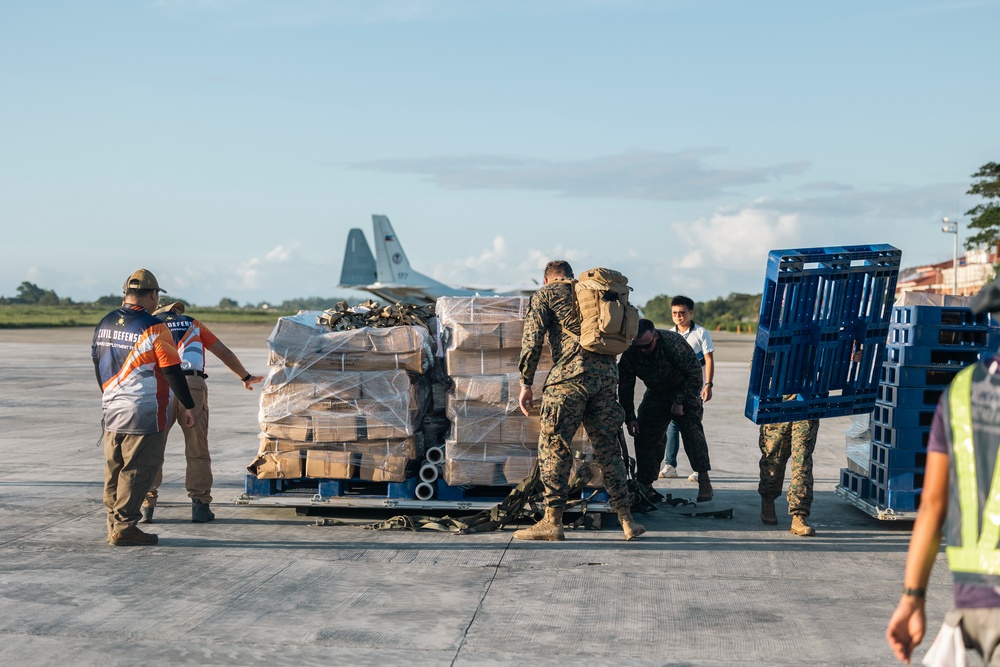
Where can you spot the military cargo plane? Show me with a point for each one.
(389, 276)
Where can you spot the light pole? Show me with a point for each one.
(951, 227)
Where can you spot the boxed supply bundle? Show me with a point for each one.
(491, 442)
(347, 404)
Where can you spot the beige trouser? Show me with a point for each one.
(198, 478)
(130, 463)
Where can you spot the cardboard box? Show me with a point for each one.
(458, 472)
(288, 428)
(477, 429)
(335, 427)
(481, 309)
(473, 362)
(493, 389)
(411, 448)
(511, 334)
(518, 428)
(370, 361)
(516, 468)
(496, 452)
(268, 444)
(377, 468)
(475, 336)
(277, 465)
(324, 464)
(385, 386)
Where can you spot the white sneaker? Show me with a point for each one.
(668, 471)
(693, 477)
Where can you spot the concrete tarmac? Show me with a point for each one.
(264, 586)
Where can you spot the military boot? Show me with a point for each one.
(201, 512)
(147, 513)
(132, 537)
(705, 491)
(800, 527)
(549, 528)
(631, 527)
(767, 515)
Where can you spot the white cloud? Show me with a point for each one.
(649, 175)
(282, 253)
(736, 239)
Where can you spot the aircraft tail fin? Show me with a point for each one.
(359, 265)
(392, 266)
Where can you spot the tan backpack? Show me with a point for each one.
(608, 323)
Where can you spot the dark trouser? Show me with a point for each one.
(130, 462)
(592, 401)
(778, 443)
(654, 417)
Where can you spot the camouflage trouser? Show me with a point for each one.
(592, 401)
(654, 417)
(778, 443)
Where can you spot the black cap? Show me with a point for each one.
(988, 299)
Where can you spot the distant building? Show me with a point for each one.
(975, 269)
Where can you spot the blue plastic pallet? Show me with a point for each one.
(896, 479)
(906, 439)
(975, 336)
(900, 501)
(330, 488)
(918, 376)
(855, 483)
(902, 418)
(908, 397)
(940, 316)
(903, 459)
(908, 355)
(818, 305)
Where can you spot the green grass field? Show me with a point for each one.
(24, 317)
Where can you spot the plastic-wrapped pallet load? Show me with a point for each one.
(342, 404)
(491, 442)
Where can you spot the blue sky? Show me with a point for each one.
(229, 145)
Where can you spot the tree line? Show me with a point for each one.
(30, 294)
(729, 313)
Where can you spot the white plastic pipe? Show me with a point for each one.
(424, 491)
(435, 455)
(429, 473)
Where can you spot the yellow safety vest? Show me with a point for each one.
(979, 552)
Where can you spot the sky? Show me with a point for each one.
(229, 145)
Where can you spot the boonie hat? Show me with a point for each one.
(142, 279)
(988, 299)
(176, 306)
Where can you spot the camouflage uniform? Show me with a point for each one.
(580, 388)
(778, 442)
(672, 374)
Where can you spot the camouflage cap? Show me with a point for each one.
(988, 299)
(176, 306)
(142, 279)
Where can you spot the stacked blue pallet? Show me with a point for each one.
(928, 346)
(819, 306)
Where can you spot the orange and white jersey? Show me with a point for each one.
(192, 338)
(129, 349)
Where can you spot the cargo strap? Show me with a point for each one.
(524, 501)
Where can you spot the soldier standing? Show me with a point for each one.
(673, 377)
(580, 388)
(779, 442)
